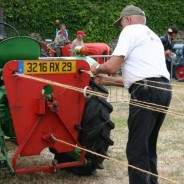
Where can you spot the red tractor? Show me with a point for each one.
(42, 98)
(93, 49)
(178, 62)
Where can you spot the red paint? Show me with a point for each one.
(33, 118)
(93, 49)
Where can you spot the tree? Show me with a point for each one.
(95, 17)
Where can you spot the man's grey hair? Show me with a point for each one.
(139, 19)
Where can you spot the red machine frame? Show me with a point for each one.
(35, 117)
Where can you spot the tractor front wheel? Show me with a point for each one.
(95, 133)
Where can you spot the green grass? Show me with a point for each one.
(170, 152)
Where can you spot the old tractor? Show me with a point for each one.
(42, 98)
(178, 61)
(91, 49)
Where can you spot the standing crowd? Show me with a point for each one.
(61, 40)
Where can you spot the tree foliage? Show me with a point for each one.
(95, 17)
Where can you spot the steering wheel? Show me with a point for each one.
(6, 31)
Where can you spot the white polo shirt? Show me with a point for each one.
(144, 54)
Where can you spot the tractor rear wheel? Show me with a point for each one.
(94, 134)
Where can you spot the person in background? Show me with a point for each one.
(63, 30)
(140, 54)
(168, 43)
(60, 41)
(78, 41)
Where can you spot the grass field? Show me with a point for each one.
(170, 150)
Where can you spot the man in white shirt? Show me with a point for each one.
(140, 55)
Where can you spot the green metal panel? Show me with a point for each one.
(18, 48)
(5, 116)
(4, 160)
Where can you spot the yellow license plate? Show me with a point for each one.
(48, 67)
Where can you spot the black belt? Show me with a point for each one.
(148, 81)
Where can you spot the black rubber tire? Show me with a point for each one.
(94, 134)
(179, 73)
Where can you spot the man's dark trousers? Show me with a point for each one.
(144, 125)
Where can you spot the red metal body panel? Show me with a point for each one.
(98, 49)
(93, 48)
(33, 119)
(66, 50)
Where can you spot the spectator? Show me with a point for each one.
(168, 43)
(63, 30)
(140, 54)
(60, 41)
(78, 41)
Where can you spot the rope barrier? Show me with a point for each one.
(155, 87)
(152, 106)
(163, 109)
(179, 100)
(63, 85)
(141, 104)
(154, 82)
(157, 82)
(149, 105)
(113, 159)
(153, 109)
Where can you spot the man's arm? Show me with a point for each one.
(163, 40)
(109, 67)
(66, 34)
(167, 46)
(73, 45)
(105, 80)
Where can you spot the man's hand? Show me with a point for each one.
(168, 53)
(93, 69)
(105, 80)
(101, 80)
(109, 67)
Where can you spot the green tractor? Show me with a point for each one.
(12, 46)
